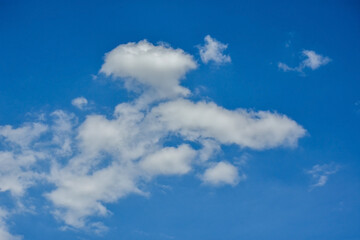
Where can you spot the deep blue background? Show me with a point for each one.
(50, 49)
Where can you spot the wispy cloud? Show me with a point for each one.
(312, 60)
(320, 174)
(357, 106)
(4, 232)
(213, 50)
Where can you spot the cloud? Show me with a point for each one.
(104, 158)
(28, 148)
(312, 60)
(79, 195)
(285, 67)
(116, 156)
(158, 67)
(18, 157)
(22, 136)
(169, 160)
(62, 129)
(4, 233)
(257, 130)
(220, 174)
(79, 102)
(213, 51)
(321, 173)
(16, 172)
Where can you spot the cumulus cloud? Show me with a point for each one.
(213, 50)
(79, 102)
(169, 161)
(79, 195)
(159, 67)
(312, 60)
(321, 173)
(104, 158)
(220, 174)
(257, 130)
(134, 139)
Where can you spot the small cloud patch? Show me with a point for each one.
(79, 102)
(311, 60)
(212, 50)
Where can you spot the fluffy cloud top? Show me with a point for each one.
(157, 66)
(257, 130)
(220, 174)
(169, 161)
(102, 159)
(312, 60)
(213, 51)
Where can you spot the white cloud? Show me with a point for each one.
(4, 232)
(213, 51)
(220, 174)
(79, 102)
(131, 145)
(22, 136)
(105, 158)
(169, 160)
(312, 60)
(285, 67)
(210, 148)
(19, 157)
(27, 147)
(257, 130)
(79, 195)
(159, 67)
(16, 172)
(321, 173)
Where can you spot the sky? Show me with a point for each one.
(179, 120)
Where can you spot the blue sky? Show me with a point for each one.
(179, 120)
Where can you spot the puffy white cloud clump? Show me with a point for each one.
(159, 67)
(102, 159)
(257, 130)
(212, 50)
(221, 173)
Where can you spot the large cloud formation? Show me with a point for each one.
(103, 159)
